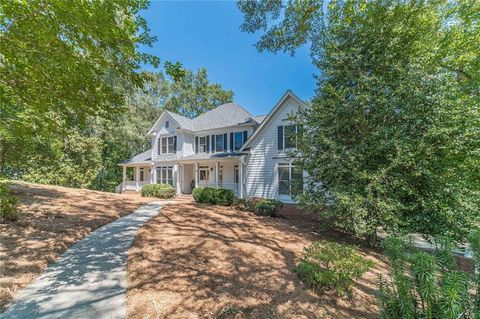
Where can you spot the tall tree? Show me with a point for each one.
(64, 61)
(191, 93)
(394, 129)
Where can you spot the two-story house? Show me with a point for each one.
(225, 147)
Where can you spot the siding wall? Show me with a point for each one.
(261, 175)
(165, 132)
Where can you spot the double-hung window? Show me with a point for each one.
(202, 144)
(168, 144)
(238, 140)
(219, 143)
(287, 136)
(290, 179)
(165, 175)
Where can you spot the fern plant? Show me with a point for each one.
(422, 285)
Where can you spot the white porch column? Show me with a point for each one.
(152, 172)
(177, 177)
(217, 170)
(137, 176)
(124, 176)
(197, 174)
(155, 177)
(241, 179)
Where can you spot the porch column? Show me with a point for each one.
(177, 177)
(217, 170)
(124, 176)
(197, 172)
(137, 176)
(152, 171)
(241, 179)
(154, 174)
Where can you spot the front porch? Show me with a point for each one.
(185, 175)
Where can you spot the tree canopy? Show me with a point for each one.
(394, 129)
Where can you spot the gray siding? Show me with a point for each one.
(261, 175)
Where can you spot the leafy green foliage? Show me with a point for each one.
(8, 203)
(213, 196)
(332, 266)
(224, 196)
(392, 136)
(158, 190)
(264, 207)
(424, 285)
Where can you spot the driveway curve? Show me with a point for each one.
(89, 279)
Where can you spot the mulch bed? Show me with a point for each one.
(51, 220)
(199, 261)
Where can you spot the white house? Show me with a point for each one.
(226, 147)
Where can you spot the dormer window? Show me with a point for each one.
(167, 145)
(167, 124)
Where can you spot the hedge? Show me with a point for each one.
(264, 207)
(213, 196)
(158, 190)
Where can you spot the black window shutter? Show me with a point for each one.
(208, 144)
(231, 142)
(159, 140)
(245, 136)
(175, 144)
(225, 141)
(280, 137)
(213, 144)
(196, 144)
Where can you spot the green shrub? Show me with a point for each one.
(8, 204)
(264, 207)
(158, 190)
(332, 266)
(224, 196)
(427, 285)
(213, 196)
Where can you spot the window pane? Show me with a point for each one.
(238, 140)
(283, 188)
(283, 173)
(159, 172)
(219, 143)
(290, 136)
(164, 145)
(202, 144)
(297, 180)
(170, 145)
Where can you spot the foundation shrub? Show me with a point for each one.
(158, 190)
(332, 266)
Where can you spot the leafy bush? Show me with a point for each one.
(213, 196)
(264, 207)
(426, 286)
(8, 204)
(158, 190)
(224, 196)
(332, 266)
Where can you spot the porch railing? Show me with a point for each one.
(130, 186)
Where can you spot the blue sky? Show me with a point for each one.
(206, 34)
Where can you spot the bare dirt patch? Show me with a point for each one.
(194, 261)
(51, 220)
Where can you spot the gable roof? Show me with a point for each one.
(225, 115)
(267, 119)
(142, 158)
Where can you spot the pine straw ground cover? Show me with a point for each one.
(200, 261)
(51, 219)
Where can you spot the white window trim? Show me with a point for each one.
(159, 175)
(285, 148)
(284, 197)
(161, 144)
(200, 144)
